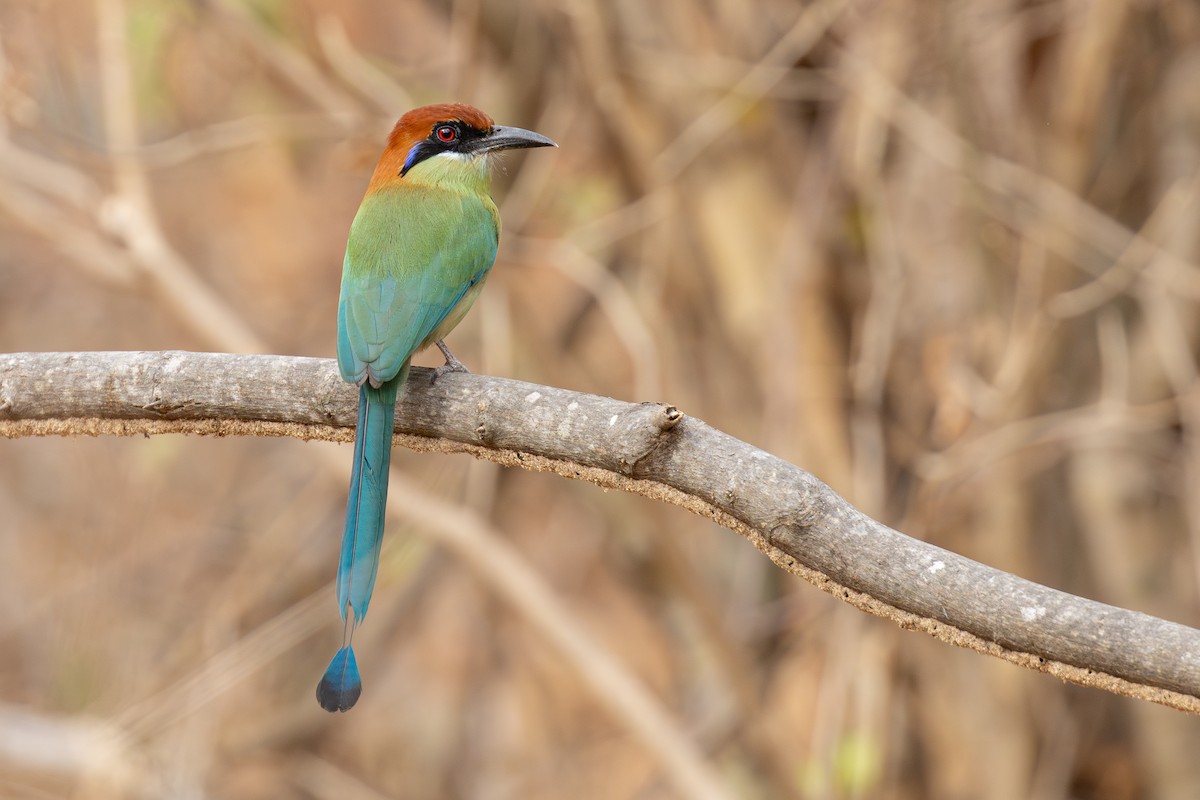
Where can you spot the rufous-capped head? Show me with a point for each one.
(452, 130)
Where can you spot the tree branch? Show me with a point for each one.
(645, 448)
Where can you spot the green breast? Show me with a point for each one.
(415, 251)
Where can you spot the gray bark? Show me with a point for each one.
(649, 448)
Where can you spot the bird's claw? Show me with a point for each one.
(452, 363)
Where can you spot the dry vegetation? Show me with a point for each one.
(943, 255)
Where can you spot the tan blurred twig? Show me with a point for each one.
(94, 755)
(131, 213)
(759, 80)
(613, 298)
(649, 449)
(1080, 226)
(1171, 212)
(963, 459)
(289, 63)
(356, 70)
(237, 133)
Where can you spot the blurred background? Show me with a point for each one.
(943, 255)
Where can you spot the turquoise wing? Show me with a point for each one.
(411, 258)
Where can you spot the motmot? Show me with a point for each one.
(418, 254)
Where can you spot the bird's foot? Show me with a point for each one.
(452, 363)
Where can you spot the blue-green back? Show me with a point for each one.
(412, 255)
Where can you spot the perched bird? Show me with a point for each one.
(418, 253)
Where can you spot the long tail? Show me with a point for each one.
(341, 684)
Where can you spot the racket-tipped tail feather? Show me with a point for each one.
(341, 684)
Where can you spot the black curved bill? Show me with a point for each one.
(502, 137)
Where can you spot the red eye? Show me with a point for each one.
(446, 133)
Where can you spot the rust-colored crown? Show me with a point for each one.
(417, 125)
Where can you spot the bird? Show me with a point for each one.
(417, 255)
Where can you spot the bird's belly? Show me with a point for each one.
(456, 314)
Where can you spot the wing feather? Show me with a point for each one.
(411, 258)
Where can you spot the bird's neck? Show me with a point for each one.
(445, 171)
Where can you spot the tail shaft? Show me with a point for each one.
(363, 536)
(365, 508)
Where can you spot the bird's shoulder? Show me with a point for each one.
(402, 228)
